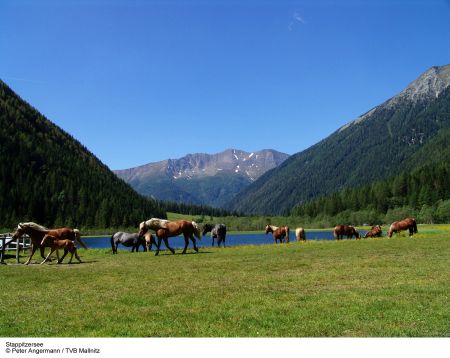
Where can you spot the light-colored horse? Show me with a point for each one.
(300, 234)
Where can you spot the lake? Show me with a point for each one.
(231, 240)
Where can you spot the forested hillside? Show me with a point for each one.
(48, 177)
(379, 144)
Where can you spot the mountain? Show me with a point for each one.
(210, 179)
(378, 144)
(49, 177)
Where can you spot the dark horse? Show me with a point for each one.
(67, 245)
(218, 231)
(165, 229)
(279, 233)
(130, 240)
(37, 232)
(374, 232)
(405, 224)
(348, 230)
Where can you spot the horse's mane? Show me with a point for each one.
(273, 227)
(34, 226)
(155, 223)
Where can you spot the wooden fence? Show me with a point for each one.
(7, 243)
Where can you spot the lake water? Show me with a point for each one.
(231, 240)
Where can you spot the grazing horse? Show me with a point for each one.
(165, 229)
(374, 232)
(279, 233)
(65, 244)
(300, 234)
(127, 240)
(348, 230)
(405, 224)
(37, 232)
(218, 231)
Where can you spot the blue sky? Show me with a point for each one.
(141, 81)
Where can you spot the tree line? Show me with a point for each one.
(423, 193)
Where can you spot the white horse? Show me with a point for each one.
(300, 234)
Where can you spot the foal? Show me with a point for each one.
(55, 244)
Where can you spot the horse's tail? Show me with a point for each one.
(287, 234)
(197, 231)
(78, 238)
(414, 226)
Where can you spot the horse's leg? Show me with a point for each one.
(158, 245)
(193, 241)
(46, 259)
(33, 250)
(186, 243)
(42, 251)
(166, 242)
(76, 255)
(62, 258)
(71, 256)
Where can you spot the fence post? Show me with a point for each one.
(17, 249)
(2, 252)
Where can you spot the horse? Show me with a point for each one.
(279, 233)
(37, 232)
(55, 244)
(405, 224)
(348, 230)
(165, 229)
(218, 231)
(300, 234)
(127, 240)
(374, 232)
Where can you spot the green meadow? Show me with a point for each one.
(382, 287)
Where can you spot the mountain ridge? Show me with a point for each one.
(365, 149)
(201, 178)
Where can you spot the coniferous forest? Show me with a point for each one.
(48, 177)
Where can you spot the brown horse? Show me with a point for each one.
(279, 233)
(165, 229)
(348, 230)
(405, 224)
(37, 232)
(300, 234)
(374, 232)
(54, 243)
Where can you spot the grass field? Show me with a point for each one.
(383, 287)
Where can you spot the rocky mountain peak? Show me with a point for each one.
(429, 85)
(233, 161)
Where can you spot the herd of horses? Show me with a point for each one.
(65, 238)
